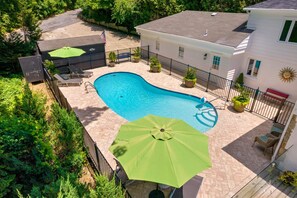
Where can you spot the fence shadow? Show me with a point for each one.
(252, 157)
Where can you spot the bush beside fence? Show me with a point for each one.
(94, 153)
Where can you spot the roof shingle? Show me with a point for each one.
(223, 28)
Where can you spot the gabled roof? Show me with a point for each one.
(275, 4)
(223, 28)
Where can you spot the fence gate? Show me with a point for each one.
(32, 68)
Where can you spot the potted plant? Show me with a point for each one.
(112, 58)
(155, 65)
(190, 78)
(241, 101)
(136, 54)
(289, 177)
(50, 66)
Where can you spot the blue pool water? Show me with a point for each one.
(130, 96)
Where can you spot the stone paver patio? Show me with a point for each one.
(234, 161)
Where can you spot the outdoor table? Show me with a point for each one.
(156, 194)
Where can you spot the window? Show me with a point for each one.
(157, 45)
(289, 33)
(253, 67)
(181, 51)
(216, 62)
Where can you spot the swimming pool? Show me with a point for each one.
(130, 96)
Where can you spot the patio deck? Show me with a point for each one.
(234, 161)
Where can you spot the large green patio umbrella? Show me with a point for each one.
(162, 150)
(66, 52)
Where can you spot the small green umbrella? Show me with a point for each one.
(66, 52)
(161, 150)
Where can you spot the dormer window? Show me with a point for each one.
(289, 33)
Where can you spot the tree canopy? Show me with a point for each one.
(130, 13)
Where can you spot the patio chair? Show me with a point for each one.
(78, 72)
(68, 82)
(120, 172)
(277, 129)
(267, 141)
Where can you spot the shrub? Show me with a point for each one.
(68, 139)
(239, 82)
(190, 75)
(105, 188)
(50, 66)
(137, 52)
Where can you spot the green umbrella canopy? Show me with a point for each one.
(161, 150)
(66, 52)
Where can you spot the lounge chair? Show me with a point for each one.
(68, 82)
(266, 141)
(122, 175)
(78, 72)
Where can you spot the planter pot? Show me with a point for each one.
(111, 64)
(190, 83)
(155, 70)
(136, 59)
(239, 107)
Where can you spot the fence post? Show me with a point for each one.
(148, 54)
(130, 54)
(254, 100)
(279, 110)
(170, 66)
(97, 157)
(229, 90)
(208, 82)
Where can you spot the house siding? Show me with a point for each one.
(193, 54)
(274, 55)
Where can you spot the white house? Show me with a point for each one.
(259, 43)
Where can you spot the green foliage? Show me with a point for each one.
(243, 98)
(130, 13)
(190, 75)
(26, 155)
(239, 82)
(105, 188)
(154, 63)
(289, 177)
(50, 66)
(10, 89)
(68, 139)
(112, 56)
(137, 52)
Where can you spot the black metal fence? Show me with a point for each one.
(94, 153)
(261, 103)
